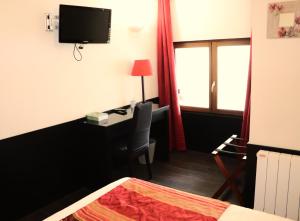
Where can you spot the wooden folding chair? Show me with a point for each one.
(233, 146)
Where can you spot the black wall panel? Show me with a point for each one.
(206, 131)
(39, 167)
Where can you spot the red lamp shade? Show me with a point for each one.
(141, 68)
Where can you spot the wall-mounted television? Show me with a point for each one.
(79, 24)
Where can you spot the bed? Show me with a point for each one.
(134, 199)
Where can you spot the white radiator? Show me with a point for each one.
(277, 189)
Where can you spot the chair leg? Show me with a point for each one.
(148, 164)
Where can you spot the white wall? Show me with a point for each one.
(42, 85)
(275, 107)
(210, 19)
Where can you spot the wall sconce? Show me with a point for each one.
(135, 28)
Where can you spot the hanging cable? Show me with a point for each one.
(78, 51)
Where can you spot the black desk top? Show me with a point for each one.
(114, 118)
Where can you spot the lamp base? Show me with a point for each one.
(143, 92)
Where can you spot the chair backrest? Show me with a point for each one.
(141, 126)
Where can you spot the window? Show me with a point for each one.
(212, 75)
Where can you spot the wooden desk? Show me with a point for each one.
(101, 135)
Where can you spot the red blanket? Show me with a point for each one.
(140, 200)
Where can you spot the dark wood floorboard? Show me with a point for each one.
(190, 171)
(56, 206)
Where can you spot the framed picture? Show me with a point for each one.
(284, 20)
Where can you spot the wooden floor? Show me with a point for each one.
(190, 171)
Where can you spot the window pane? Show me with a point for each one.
(232, 67)
(192, 74)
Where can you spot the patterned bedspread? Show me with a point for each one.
(140, 200)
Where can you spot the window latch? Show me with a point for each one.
(213, 87)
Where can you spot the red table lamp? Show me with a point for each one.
(142, 68)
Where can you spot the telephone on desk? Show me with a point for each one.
(120, 111)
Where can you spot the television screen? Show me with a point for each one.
(84, 24)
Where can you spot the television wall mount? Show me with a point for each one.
(51, 22)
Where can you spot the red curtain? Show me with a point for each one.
(166, 75)
(246, 115)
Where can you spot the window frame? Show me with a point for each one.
(213, 45)
(193, 45)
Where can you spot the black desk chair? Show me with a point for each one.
(138, 142)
